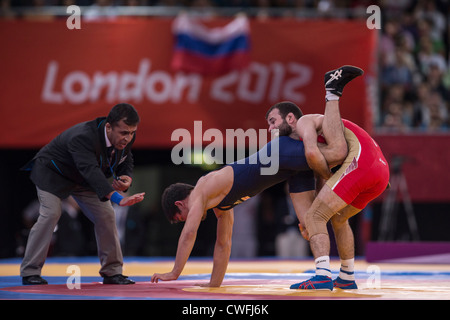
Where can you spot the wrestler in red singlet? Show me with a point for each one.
(364, 175)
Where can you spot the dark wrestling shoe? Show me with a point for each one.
(117, 279)
(33, 280)
(335, 80)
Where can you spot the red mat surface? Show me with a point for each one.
(162, 290)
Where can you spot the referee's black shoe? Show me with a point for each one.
(117, 279)
(335, 80)
(33, 280)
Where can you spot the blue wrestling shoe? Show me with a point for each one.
(344, 284)
(315, 283)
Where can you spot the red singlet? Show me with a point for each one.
(364, 175)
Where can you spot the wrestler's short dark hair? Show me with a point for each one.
(125, 112)
(285, 107)
(174, 192)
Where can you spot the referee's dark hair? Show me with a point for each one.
(125, 112)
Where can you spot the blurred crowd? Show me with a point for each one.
(319, 4)
(414, 68)
(322, 6)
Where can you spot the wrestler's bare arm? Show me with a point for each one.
(186, 240)
(222, 248)
(331, 155)
(308, 127)
(208, 193)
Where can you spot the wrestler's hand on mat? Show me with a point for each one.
(129, 201)
(164, 277)
(303, 231)
(122, 183)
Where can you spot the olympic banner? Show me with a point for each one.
(53, 77)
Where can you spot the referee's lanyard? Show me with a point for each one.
(112, 167)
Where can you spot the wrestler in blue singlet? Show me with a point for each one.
(248, 180)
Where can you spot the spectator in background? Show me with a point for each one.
(387, 42)
(414, 75)
(436, 82)
(426, 11)
(427, 56)
(434, 113)
(422, 93)
(393, 119)
(400, 71)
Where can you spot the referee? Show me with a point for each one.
(78, 163)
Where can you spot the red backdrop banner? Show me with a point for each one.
(423, 160)
(53, 77)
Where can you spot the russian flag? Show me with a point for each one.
(210, 50)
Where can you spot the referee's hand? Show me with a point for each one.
(129, 201)
(122, 183)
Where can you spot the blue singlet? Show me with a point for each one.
(248, 180)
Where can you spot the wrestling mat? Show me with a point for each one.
(262, 279)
